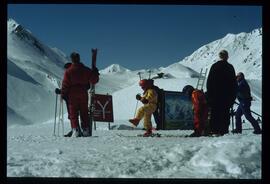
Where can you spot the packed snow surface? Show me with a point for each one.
(33, 151)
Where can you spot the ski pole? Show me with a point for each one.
(149, 74)
(250, 110)
(139, 73)
(55, 114)
(62, 106)
(59, 117)
(136, 108)
(232, 111)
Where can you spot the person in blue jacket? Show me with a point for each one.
(244, 97)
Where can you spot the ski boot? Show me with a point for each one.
(134, 121)
(148, 133)
(69, 134)
(195, 134)
(257, 131)
(235, 131)
(75, 132)
(86, 132)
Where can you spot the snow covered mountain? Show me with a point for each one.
(245, 53)
(33, 71)
(114, 68)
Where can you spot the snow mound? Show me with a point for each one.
(107, 155)
(180, 71)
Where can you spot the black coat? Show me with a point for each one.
(243, 91)
(221, 84)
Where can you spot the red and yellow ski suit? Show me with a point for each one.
(200, 110)
(148, 109)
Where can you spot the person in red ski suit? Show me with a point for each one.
(74, 87)
(200, 109)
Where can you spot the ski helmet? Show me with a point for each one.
(143, 83)
(188, 89)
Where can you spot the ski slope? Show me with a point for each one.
(32, 151)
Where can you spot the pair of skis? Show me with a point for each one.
(91, 106)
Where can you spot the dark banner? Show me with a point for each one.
(177, 113)
(103, 108)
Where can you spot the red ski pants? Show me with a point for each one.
(200, 117)
(78, 105)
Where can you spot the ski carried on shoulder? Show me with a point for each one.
(92, 94)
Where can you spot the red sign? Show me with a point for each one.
(103, 108)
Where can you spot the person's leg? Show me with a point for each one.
(196, 120)
(249, 117)
(84, 115)
(203, 118)
(214, 119)
(147, 120)
(140, 112)
(238, 119)
(226, 121)
(157, 118)
(74, 113)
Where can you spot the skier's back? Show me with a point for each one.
(75, 85)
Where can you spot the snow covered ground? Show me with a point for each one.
(33, 151)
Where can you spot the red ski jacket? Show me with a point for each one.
(200, 110)
(77, 79)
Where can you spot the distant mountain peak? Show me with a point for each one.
(114, 68)
(12, 25)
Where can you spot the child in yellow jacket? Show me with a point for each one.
(149, 99)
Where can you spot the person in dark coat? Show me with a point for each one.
(75, 85)
(221, 93)
(244, 97)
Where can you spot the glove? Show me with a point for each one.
(95, 70)
(144, 101)
(138, 97)
(58, 91)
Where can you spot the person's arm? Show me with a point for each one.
(150, 96)
(234, 86)
(66, 83)
(210, 83)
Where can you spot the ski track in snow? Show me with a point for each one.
(35, 152)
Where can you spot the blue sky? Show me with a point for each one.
(134, 36)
